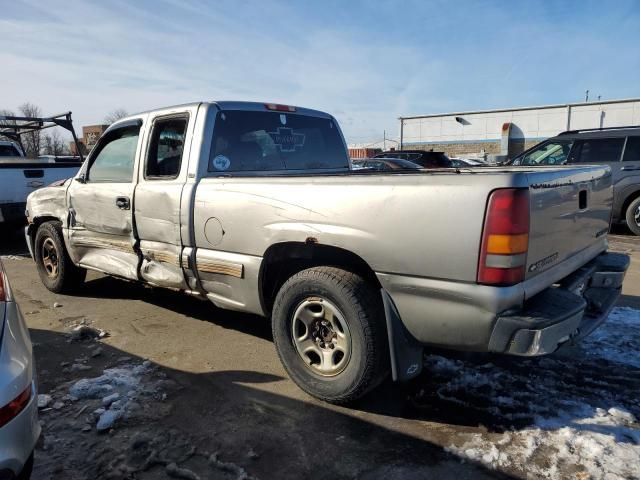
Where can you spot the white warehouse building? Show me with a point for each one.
(508, 132)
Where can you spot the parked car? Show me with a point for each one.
(19, 427)
(19, 175)
(466, 163)
(383, 164)
(619, 148)
(426, 159)
(255, 207)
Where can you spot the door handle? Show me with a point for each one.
(123, 203)
(630, 168)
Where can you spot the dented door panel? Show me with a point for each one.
(159, 196)
(100, 227)
(100, 233)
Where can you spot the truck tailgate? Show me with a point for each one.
(570, 212)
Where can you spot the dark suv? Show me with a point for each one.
(617, 147)
(425, 159)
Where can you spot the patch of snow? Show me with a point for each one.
(574, 414)
(617, 340)
(108, 419)
(44, 400)
(116, 388)
(109, 399)
(600, 448)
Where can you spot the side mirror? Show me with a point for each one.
(82, 178)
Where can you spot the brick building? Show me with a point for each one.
(507, 132)
(90, 135)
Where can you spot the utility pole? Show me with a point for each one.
(384, 140)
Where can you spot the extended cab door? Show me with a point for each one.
(100, 226)
(159, 196)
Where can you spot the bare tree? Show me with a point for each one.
(8, 113)
(31, 141)
(115, 115)
(54, 144)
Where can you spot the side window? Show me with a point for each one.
(632, 150)
(165, 148)
(114, 161)
(550, 153)
(599, 150)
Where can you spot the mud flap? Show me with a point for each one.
(405, 352)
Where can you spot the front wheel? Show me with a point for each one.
(329, 331)
(633, 216)
(57, 272)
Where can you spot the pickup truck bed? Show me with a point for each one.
(254, 207)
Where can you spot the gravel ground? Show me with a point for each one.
(147, 384)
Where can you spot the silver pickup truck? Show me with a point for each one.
(255, 207)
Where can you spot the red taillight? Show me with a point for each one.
(14, 407)
(505, 238)
(279, 108)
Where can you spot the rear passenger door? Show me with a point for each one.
(158, 198)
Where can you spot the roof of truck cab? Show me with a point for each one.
(231, 105)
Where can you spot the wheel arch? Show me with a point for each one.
(33, 226)
(629, 197)
(282, 260)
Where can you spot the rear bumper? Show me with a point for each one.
(472, 317)
(567, 312)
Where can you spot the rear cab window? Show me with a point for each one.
(253, 141)
(165, 148)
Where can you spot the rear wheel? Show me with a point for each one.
(57, 271)
(330, 334)
(633, 216)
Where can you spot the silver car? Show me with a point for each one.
(19, 427)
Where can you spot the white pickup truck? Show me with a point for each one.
(19, 175)
(255, 207)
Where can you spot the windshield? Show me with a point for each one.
(271, 141)
(9, 151)
(550, 153)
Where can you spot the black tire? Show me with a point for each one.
(66, 277)
(360, 306)
(632, 221)
(25, 474)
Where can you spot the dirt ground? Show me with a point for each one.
(200, 393)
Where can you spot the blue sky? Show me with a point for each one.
(365, 62)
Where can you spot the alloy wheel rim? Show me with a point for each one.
(636, 215)
(50, 259)
(321, 336)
